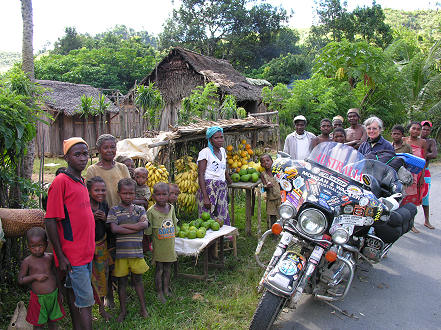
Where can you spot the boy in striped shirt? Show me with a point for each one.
(128, 222)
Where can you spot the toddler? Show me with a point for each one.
(38, 271)
(142, 192)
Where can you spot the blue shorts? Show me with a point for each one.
(79, 280)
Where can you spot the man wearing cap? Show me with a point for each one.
(71, 229)
(356, 133)
(432, 153)
(298, 143)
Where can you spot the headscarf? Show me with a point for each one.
(210, 132)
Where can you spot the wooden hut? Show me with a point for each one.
(62, 102)
(182, 70)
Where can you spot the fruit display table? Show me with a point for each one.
(198, 246)
(249, 203)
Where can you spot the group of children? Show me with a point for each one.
(119, 235)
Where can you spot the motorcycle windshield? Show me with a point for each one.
(339, 158)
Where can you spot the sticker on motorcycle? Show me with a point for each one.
(308, 166)
(354, 192)
(315, 170)
(312, 198)
(363, 201)
(366, 179)
(323, 203)
(374, 203)
(293, 199)
(316, 255)
(358, 211)
(324, 196)
(369, 212)
(291, 172)
(285, 185)
(298, 183)
(349, 219)
(297, 192)
(344, 198)
(288, 267)
(283, 195)
(348, 209)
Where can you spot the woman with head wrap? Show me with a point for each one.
(213, 176)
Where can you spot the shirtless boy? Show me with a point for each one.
(325, 129)
(38, 271)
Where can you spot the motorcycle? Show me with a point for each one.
(331, 203)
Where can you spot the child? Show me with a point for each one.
(400, 146)
(38, 270)
(163, 219)
(339, 135)
(128, 222)
(273, 199)
(129, 163)
(142, 192)
(100, 264)
(173, 193)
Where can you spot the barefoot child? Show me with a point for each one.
(142, 191)
(100, 263)
(128, 222)
(38, 270)
(273, 199)
(163, 219)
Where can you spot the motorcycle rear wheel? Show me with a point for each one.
(267, 311)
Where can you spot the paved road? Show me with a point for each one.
(402, 292)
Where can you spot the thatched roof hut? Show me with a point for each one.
(182, 70)
(62, 102)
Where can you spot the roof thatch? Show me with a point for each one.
(197, 129)
(65, 97)
(218, 71)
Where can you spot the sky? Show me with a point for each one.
(95, 16)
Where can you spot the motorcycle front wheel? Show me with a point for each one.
(267, 311)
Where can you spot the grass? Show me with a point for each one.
(227, 299)
(56, 162)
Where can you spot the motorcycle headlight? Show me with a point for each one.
(286, 211)
(313, 222)
(340, 236)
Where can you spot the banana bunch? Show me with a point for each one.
(156, 174)
(187, 181)
(187, 202)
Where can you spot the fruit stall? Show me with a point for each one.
(171, 157)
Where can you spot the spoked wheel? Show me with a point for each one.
(267, 311)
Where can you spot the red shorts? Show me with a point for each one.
(44, 307)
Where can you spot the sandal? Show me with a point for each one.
(428, 225)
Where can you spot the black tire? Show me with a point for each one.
(267, 311)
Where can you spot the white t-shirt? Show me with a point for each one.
(215, 167)
(302, 148)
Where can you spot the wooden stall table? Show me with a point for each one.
(200, 246)
(249, 203)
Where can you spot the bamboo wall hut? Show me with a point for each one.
(182, 70)
(62, 102)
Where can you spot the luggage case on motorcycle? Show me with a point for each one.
(414, 163)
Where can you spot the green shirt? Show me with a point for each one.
(163, 231)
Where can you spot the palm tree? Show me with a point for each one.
(28, 67)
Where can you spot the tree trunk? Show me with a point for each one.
(28, 67)
(28, 36)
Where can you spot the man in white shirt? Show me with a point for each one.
(298, 143)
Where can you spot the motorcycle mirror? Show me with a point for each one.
(283, 154)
